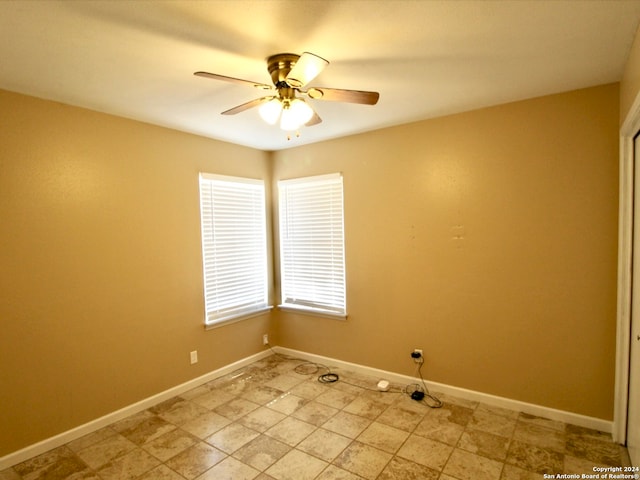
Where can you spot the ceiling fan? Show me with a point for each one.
(290, 74)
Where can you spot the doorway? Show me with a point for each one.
(633, 400)
(626, 425)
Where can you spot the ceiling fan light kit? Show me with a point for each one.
(292, 113)
(270, 111)
(295, 114)
(289, 73)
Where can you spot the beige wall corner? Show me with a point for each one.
(488, 239)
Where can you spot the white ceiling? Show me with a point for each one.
(426, 58)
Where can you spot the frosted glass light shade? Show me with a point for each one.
(270, 111)
(296, 114)
(307, 67)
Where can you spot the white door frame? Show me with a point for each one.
(629, 128)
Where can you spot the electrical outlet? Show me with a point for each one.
(417, 355)
(194, 357)
(265, 339)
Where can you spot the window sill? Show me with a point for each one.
(313, 312)
(236, 319)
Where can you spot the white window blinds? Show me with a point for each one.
(234, 246)
(312, 244)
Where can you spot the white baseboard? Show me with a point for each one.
(462, 393)
(65, 437)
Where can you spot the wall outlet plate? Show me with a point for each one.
(194, 357)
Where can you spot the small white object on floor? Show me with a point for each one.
(383, 385)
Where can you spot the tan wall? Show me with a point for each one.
(524, 304)
(630, 83)
(101, 275)
(100, 265)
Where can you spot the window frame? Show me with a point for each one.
(292, 297)
(218, 311)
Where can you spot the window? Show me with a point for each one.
(312, 266)
(234, 247)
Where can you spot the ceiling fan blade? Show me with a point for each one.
(339, 95)
(246, 106)
(224, 78)
(307, 67)
(315, 120)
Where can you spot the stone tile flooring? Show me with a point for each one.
(274, 420)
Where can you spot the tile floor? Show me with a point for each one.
(274, 420)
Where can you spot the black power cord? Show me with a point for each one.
(303, 368)
(419, 393)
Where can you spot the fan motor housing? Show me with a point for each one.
(280, 65)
